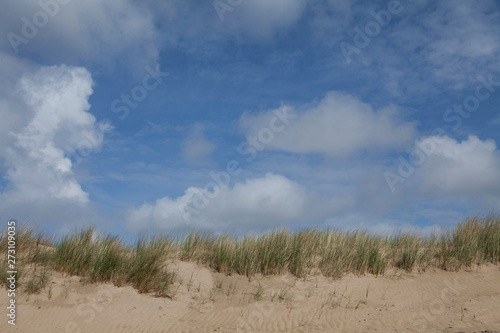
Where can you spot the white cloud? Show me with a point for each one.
(340, 125)
(196, 149)
(95, 31)
(105, 31)
(13, 110)
(40, 175)
(470, 167)
(257, 203)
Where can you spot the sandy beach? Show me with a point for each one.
(202, 300)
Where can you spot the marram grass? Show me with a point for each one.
(331, 253)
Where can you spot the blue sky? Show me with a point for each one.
(168, 116)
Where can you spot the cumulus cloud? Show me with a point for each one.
(257, 203)
(196, 149)
(470, 167)
(340, 125)
(39, 173)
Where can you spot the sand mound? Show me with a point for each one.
(204, 301)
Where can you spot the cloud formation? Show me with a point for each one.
(253, 204)
(94, 31)
(470, 167)
(339, 126)
(39, 172)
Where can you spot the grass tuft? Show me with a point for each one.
(38, 280)
(145, 269)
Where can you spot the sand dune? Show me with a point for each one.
(204, 301)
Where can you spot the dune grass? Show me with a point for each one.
(96, 258)
(38, 280)
(474, 241)
(105, 258)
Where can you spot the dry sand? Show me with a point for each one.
(204, 301)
